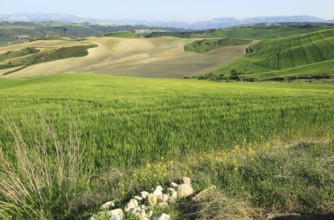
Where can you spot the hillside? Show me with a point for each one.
(302, 55)
(156, 57)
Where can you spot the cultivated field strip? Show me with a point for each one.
(286, 53)
(125, 121)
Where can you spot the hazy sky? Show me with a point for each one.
(171, 10)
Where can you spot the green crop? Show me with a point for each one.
(126, 121)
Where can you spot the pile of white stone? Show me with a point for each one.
(141, 206)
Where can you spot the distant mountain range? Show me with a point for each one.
(214, 23)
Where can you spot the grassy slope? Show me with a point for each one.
(122, 122)
(131, 121)
(286, 54)
(206, 45)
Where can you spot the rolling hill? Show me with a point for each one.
(301, 55)
(156, 57)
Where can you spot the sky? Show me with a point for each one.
(172, 10)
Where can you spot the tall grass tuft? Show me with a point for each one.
(35, 184)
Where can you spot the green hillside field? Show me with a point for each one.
(304, 55)
(126, 121)
(70, 142)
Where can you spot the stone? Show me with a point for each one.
(130, 205)
(184, 190)
(143, 214)
(116, 214)
(173, 185)
(108, 205)
(158, 191)
(149, 213)
(186, 180)
(162, 216)
(170, 190)
(136, 212)
(143, 194)
(204, 194)
(173, 197)
(165, 197)
(151, 200)
(138, 198)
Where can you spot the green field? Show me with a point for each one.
(126, 121)
(206, 45)
(298, 56)
(83, 135)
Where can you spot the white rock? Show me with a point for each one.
(186, 180)
(170, 190)
(165, 196)
(162, 216)
(138, 198)
(151, 200)
(135, 210)
(184, 190)
(130, 205)
(149, 213)
(143, 194)
(173, 197)
(116, 214)
(173, 185)
(143, 213)
(158, 191)
(108, 205)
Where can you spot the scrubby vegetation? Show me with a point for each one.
(14, 54)
(124, 34)
(45, 56)
(18, 32)
(255, 32)
(206, 45)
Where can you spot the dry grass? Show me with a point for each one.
(30, 178)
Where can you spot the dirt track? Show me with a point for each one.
(157, 57)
